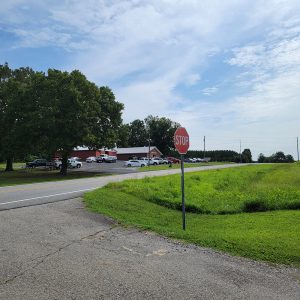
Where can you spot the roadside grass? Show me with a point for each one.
(268, 236)
(177, 166)
(215, 200)
(37, 175)
(226, 191)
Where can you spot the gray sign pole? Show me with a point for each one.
(182, 192)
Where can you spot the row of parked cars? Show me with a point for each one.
(102, 158)
(55, 164)
(144, 161)
(197, 160)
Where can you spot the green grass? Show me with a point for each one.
(270, 236)
(235, 190)
(15, 165)
(177, 166)
(34, 176)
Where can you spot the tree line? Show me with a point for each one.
(157, 131)
(220, 155)
(278, 157)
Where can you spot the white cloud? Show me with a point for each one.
(192, 79)
(210, 91)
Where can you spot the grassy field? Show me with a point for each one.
(219, 197)
(177, 166)
(34, 176)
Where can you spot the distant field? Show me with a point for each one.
(219, 198)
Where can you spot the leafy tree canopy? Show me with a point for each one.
(55, 112)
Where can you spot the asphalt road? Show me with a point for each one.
(61, 251)
(41, 193)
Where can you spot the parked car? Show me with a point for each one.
(99, 159)
(108, 158)
(57, 163)
(189, 160)
(76, 158)
(73, 163)
(91, 159)
(146, 160)
(165, 161)
(40, 162)
(135, 163)
(158, 161)
(173, 160)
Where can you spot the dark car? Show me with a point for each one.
(173, 160)
(189, 160)
(40, 162)
(99, 159)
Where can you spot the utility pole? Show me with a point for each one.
(149, 150)
(240, 151)
(298, 147)
(204, 147)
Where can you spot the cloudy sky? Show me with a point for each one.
(229, 70)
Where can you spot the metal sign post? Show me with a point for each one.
(182, 144)
(182, 192)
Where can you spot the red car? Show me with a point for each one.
(173, 160)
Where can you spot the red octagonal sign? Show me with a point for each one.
(181, 140)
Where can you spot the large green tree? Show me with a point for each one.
(15, 139)
(161, 132)
(246, 156)
(77, 113)
(123, 136)
(138, 135)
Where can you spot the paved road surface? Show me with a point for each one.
(39, 193)
(61, 251)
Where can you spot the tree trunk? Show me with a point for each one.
(64, 164)
(9, 165)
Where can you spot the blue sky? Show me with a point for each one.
(229, 71)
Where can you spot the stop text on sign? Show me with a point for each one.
(181, 140)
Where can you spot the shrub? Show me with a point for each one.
(255, 206)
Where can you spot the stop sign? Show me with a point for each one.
(181, 140)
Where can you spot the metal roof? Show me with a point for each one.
(136, 150)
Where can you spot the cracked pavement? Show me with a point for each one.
(62, 251)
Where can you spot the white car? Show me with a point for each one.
(73, 163)
(75, 158)
(159, 161)
(135, 163)
(91, 159)
(145, 161)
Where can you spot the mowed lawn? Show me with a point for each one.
(21, 176)
(217, 201)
